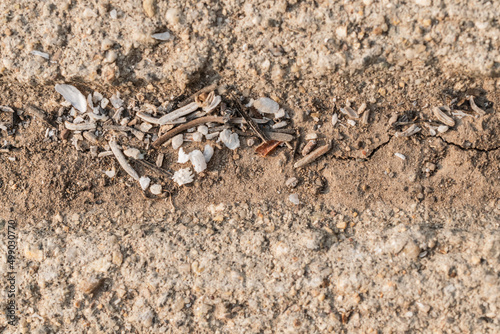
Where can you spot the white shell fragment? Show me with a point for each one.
(187, 109)
(40, 53)
(280, 114)
(229, 139)
(351, 122)
(73, 96)
(335, 119)
(294, 198)
(183, 157)
(400, 156)
(266, 105)
(177, 141)
(208, 153)
(155, 189)
(198, 160)
(144, 181)
(163, 36)
(183, 176)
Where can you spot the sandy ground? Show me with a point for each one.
(377, 244)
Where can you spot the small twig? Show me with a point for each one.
(250, 121)
(151, 166)
(190, 99)
(175, 131)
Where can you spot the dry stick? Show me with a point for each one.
(175, 131)
(151, 166)
(250, 122)
(190, 99)
(312, 156)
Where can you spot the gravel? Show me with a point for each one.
(248, 269)
(280, 40)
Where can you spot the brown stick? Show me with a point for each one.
(175, 131)
(250, 121)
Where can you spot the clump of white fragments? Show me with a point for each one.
(229, 139)
(198, 160)
(183, 176)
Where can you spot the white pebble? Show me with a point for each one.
(280, 114)
(113, 14)
(229, 139)
(144, 181)
(198, 160)
(208, 153)
(155, 189)
(294, 198)
(400, 156)
(164, 36)
(197, 136)
(177, 141)
(335, 119)
(351, 122)
(203, 129)
(133, 153)
(312, 136)
(110, 173)
(183, 157)
(266, 106)
(442, 128)
(40, 53)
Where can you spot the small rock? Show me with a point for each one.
(144, 181)
(292, 182)
(294, 198)
(155, 189)
(342, 225)
(133, 153)
(149, 7)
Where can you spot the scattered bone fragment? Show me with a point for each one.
(442, 128)
(279, 125)
(266, 105)
(178, 113)
(442, 117)
(474, 106)
(80, 126)
(309, 147)
(159, 160)
(90, 137)
(122, 160)
(294, 198)
(312, 156)
(408, 132)
(351, 122)
(335, 119)
(133, 153)
(348, 111)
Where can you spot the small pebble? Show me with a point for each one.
(155, 189)
(294, 198)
